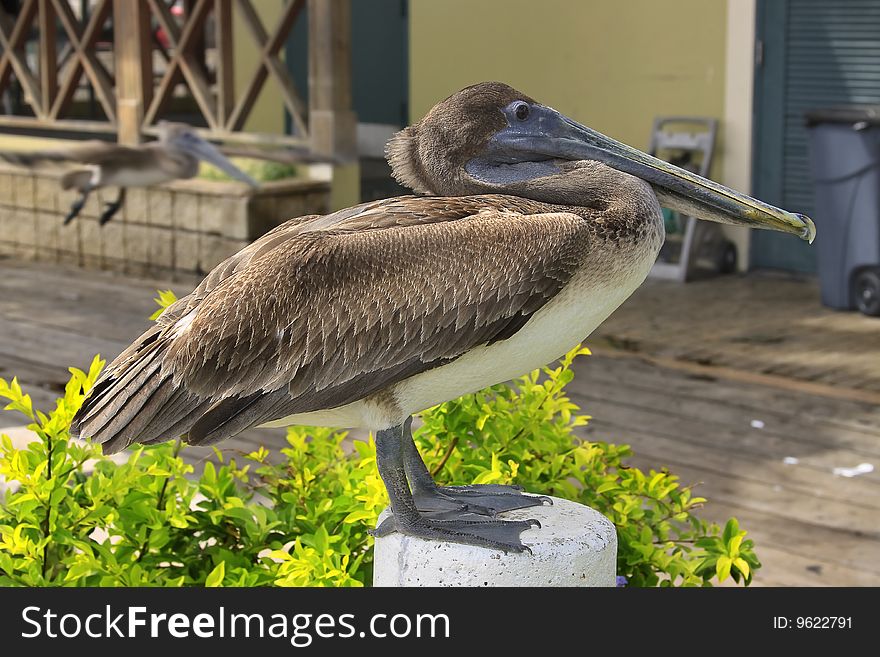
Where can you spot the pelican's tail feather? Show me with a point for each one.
(135, 401)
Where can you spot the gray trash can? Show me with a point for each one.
(845, 163)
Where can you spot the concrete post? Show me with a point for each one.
(575, 546)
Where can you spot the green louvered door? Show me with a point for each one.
(810, 54)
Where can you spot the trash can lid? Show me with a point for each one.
(866, 115)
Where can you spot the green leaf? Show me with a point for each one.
(608, 486)
(722, 567)
(731, 529)
(165, 299)
(216, 576)
(733, 545)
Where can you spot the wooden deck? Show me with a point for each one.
(723, 381)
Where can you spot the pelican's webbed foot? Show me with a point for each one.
(451, 502)
(456, 514)
(496, 534)
(482, 499)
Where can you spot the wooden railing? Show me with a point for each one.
(133, 87)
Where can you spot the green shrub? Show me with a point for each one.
(300, 518)
(259, 170)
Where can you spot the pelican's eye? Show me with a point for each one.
(522, 111)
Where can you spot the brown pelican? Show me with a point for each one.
(531, 231)
(175, 155)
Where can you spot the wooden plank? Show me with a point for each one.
(749, 399)
(280, 71)
(27, 272)
(771, 499)
(809, 542)
(761, 324)
(107, 326)
(7, 27)
(48, 54)
(774, 377)
(825, 447)
(96, 305)
(97, 74)
(49, 377)
(782, 568)
(289, 94)
(134, 67)
(172, 69)
(166, 20)
(189, 66)
(687, 443)
(847, 414)
(225, 61)
(65, 93)
(41, 398)
(42, 382)
(54, 346)
(644, 411)
(794, 552)
(270, 140)
(623, 423)
(331, 119)
(248, 97)
(96, 127)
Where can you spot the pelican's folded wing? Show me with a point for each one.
(324, 313)
(332, 306)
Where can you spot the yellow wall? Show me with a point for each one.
(611, 64)
(268, 112)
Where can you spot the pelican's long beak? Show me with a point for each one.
(551, 134)
(208, 152)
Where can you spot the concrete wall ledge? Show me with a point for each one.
(171, 231)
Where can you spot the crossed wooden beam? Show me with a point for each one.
(45, 97)
(222, 111)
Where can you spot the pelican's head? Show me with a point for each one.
(183, 138)
(490, 136)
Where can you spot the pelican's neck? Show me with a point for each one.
(591, 185)
(624, 209)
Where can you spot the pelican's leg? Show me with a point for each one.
(78, 204)
(406, 519)
(453, 501)
(111, 209)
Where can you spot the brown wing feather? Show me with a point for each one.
(232, 265)
(329, 306)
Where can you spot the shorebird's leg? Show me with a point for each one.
(111, 209)
(78, 204)
(452, 501)
(406, 518)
